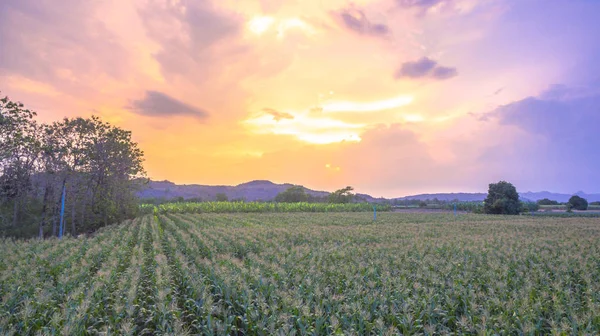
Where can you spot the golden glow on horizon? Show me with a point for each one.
(348, 106)
(306, 128)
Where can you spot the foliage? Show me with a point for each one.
(232, 207)
(578, 203)
(547, 201)
(422, 204)
(341, 196)
(529, 206)
(474, 207)
(308, 274)
(97, 164)
(221, 197)
(502, 199)
(292, 195)
(595, 203)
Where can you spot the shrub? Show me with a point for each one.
(547, 201)
(578, 203)
(502, 199)
(529, 206)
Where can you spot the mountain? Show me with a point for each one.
(250, 191)
(462, 197)
(527, 196)
(559, 197)
(266, 190)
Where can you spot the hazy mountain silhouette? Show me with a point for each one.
(263, 190)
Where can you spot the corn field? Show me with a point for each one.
(308, 274)
(232, 207)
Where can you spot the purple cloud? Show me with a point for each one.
(562, 138)
(158, 104)
(425, 67)
(200, 27)
(420, 3)
(357, 21)
(39, 37)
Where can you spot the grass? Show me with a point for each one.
(309, 273)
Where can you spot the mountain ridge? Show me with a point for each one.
(265, 190)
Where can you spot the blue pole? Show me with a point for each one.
(374, 212)
(454, 209)
(62, 212)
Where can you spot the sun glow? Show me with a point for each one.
(288, 24)
(380, 105)
(307, 128)
(260, 24)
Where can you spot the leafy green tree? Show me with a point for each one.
(529, 206)
(221, 197)
(502, 199)
(98, 165)
(547, 201)
(292, 195)
(578, 203)
(19, 149)
(342, 195)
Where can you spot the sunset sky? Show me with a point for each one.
(393, 97)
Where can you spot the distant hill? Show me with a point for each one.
(529, 196)
(559, 197)
(258, 190)
(462, 197)
(266, 191)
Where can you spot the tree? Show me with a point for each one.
(530, 206)
(292, 195)
(98, 165)
(595, 203)
(502, 199)
(578, 203)
(221, 197)
(547, 201)
(19, 148)
(342, 195)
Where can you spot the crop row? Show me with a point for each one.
(303, 273)
(254, 207)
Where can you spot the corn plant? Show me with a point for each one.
(186, 270)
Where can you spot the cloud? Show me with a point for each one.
(277, 115)
(357, 21)
(60, 43)
(421, 3)
(158, 104)
(425, 67)
(441, 72)
(191, 36)
(558, 139)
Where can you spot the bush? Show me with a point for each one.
(422, 204)
(502, 199)
(547, 201)
(529, 206)
(292, 195)
(221, 197)
(578, 203)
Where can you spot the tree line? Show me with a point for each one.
(95, 165)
